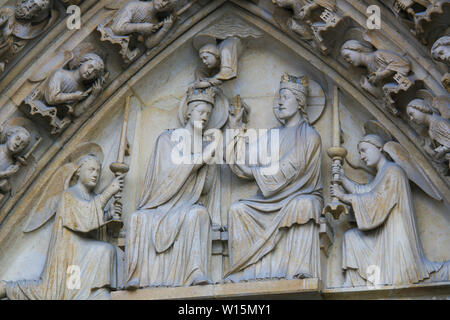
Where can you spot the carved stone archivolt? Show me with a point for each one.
(68, 92)
(26, 21)
(154, 207)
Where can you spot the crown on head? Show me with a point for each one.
(206, 95)
(294, 83)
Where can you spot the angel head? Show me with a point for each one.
(91, 67)
(293, 97)
(200, 106)
(441, 49)
(355, 52)
(164, 5)
(88, 171)
(210, 55)
(17, 139)
(370, 149)
(32, 9)
(418, 111)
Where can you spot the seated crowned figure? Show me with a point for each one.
(168, 239)
(275, 234)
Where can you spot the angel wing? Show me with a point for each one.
(442, 104)
(401, 156)
(23, 175)
(47, 205)
(440, 131)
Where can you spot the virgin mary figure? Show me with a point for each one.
(168, 239)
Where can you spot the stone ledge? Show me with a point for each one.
(432, 290)
(264, 289)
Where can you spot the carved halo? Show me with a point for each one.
(219, 114)
(315, 103)
(84, 149)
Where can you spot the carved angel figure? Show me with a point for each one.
(314, 20)
(68, 93)
(381, 65)
(275, 234)
(169, 237)
(305, 13)
(438, 127)
(220, 62)
(28, 20)
(78, 210)
(386, 238)
(139, 18)
(441, 52)
(14, 140)
(219, 48)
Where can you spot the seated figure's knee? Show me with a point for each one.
(199, 211)
(236, 209)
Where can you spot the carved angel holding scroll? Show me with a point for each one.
(441, 52)
(304, 13)
(68, 93)
(386, 237)
(78, 210)
(438, 125)
(381, 65)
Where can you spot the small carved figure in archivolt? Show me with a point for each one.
(427, 19)
(387, 71)
(384, 248)
(69, 92)
(137, 22)
(18, 141)
(219, 48)
(441, 52)
(78, 210)
(26, 21)
(435, 120)
(315, 20)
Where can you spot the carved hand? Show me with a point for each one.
(148, 28)
(338, 192)
(374, 78)
(209, 152)
(97, 87)
(116, 185)
(78, 95)
(235, 120)
(168, 22)
(13, 169)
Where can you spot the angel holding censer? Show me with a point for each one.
(386, 235)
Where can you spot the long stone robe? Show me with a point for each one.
(70, 246)
(276, 234)
(168, 239)
(387, 236)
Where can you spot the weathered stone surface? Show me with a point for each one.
(189, 230)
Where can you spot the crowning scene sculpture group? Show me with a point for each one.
(273, 235)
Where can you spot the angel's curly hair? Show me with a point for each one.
(10, 131)
(98, 62)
